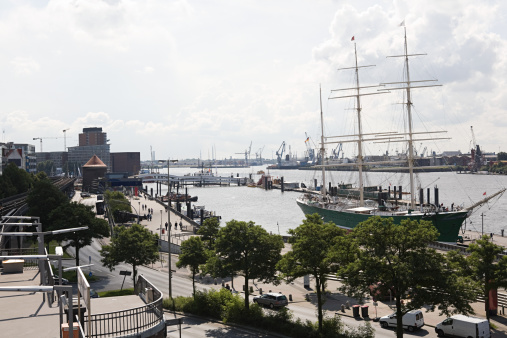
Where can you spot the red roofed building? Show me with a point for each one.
(92, 170)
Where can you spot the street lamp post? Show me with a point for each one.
(169, 226)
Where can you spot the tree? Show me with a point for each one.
(73, 215)
(487, 267)
(14, 181)
(314, 252)
(193, 254)
(209, 231)
(117, 202)
(501, 156)
(134, 245)
(247, 249)
(42, 200)
(396, 257)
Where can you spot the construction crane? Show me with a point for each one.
(64, 139)
(279, 153)
(475, 153)
(43, 138)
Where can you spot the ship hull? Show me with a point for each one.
(447, 224)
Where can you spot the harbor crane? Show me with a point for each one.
(310, 152)
(475, 153)
(279, 153)
(43, 138)
(258, 155)
(247, 153)
(336, 152)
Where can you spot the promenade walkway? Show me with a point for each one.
(303, 297)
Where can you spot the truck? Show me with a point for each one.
(463, 326)
(411, 320)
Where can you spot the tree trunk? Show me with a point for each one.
(135, 274)
(399, 317)
(193, 283)
(247, 301)
(318, 286)
(77, 255)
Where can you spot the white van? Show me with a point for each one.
(412, 320)
(463, 326)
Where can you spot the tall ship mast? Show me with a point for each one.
(346, 206)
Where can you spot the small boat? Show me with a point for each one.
(180, 198)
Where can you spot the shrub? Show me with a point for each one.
(230, 308)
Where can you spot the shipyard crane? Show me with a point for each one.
(258, 155)
(309, 150)
(279, 153)
(247, 153)
(336, 152)
(43, 138)
(475, 153)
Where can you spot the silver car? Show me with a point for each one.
(272, 300)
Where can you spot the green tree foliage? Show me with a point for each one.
(316, 248)
(193, 254)
(487, 267)
(42, 200)
(117, 202)
(249, 250)
(46, 166)
(134, 245)
(397, 257)
(209, 231)
(14, 181)
(501, 156)
(73, 215)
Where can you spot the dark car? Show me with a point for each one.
(272, 300)
(65, 281)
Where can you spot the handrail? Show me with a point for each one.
(135, 321)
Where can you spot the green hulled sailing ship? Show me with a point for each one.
(348, 212)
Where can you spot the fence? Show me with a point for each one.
(137, 321)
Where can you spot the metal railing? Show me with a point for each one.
(132, 321)
(29, 264)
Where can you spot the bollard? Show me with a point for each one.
(347, 305)
(343, 308)
(290, 298)
(260, 291)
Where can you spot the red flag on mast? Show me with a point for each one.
(352, 39)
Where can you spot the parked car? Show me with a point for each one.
(463, 326)
(65, 281)
(272, 300)
(100, 197)
(93, 294)
(412, 320)
(85, 194)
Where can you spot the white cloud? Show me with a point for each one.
(25, 66)
(193, 74)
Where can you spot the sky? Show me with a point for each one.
(193, 78)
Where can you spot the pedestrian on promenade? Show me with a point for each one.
(181, 228)
(166, 225)
(175, 225)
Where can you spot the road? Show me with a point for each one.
(182, 286)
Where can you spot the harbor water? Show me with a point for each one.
(278, 212)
